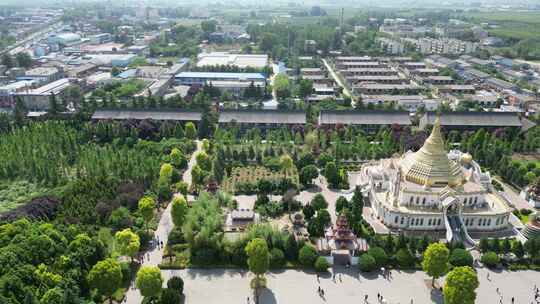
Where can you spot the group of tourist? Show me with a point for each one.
(536, 293)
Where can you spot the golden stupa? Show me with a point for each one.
(430, 166)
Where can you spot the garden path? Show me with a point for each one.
(153, 257)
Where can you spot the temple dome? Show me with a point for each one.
(430, 166)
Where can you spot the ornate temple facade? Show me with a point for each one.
(435, 190)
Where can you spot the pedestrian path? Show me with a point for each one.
(154, 256)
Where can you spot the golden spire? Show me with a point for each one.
(430, 165)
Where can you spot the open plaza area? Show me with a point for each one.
(226, 286)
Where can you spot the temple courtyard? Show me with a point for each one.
(226, 286)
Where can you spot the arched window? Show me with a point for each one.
(429, 222)
(424, 201)
(396, 219)
(411, 200)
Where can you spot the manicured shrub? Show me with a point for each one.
(490, 259)
(170, 296)
(404, 258)
(367, 263)
(461, 257)
(379, 255)
(307, 256)
(321, 264)
(176, 283)
(277, 258)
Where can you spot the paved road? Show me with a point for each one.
(513, 196)
(154, 256)
(293, 286)
(338, 80)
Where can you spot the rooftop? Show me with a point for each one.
(42, 71)
(175, 115)
(364, 117)
(482, 119)
(430, 165)
(232, 76)
(262, 117)
(239, 60)
(51, 88)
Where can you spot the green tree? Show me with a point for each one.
(517, 249)
(179, 210)
(379, 255)
(149, 281)
(277, 258)
(286, 163)
(341, 204)
(319, 202)
(307, 255)
(460, 286)
(367, 263)
(204, 161)
(404, 258)
(490, 259)
(258, 260)
(435, 262)
(308, 211)
(170, 296)
(165, 173)
(332, 175)
(178, 159)
(305, 88)
(461, 257)
(307, 174)
(282, 86)
(321, 264)
(8, 61)
(190, 130)
(105, 277)
(128, 242)
(24, 60)
(147, 204)
(176, 283)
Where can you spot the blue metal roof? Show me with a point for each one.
(127, 74)
(221, 75)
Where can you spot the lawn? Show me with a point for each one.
(17, 193)
(511, 25)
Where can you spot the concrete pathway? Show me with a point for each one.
(154, 256)
(512, 195)
(338, 80)
(226, 286)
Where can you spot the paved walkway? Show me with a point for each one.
(293, 286)
(154, 256)
(338, 80)
(513, 196)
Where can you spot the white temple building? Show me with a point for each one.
(432, 190)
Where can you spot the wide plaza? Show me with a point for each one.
(228, 286)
